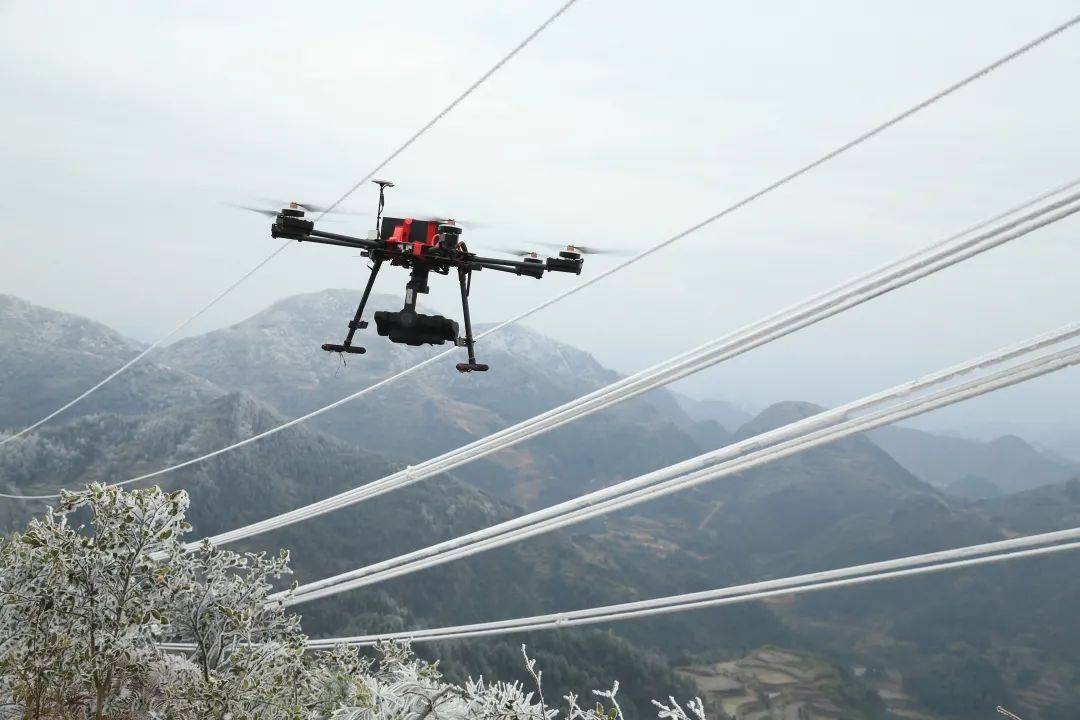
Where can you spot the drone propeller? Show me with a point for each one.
(444, 219)
(517, 251)
(272, 213)
(261, 211)
(312, 207)
(586, 249)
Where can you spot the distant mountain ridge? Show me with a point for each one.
(839, 504)
(275, 356)
(729, 415)
(1007, 464)
(48, 357)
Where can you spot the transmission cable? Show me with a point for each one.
(846, 295)
(954, 558)
(704, 468)
(675, 604)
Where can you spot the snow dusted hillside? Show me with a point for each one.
(48, 357)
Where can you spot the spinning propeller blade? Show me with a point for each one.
(312, 207)
(515, 251)
(274, 209)
(429, 217)
(587, 249)
(261, 211)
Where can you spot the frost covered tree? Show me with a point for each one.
(398, 685)
(91, 591)
(249, 653)
(82, 608)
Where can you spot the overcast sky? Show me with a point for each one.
(127, 125)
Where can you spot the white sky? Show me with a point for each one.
(126, 126)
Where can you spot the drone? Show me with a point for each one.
(423, 246)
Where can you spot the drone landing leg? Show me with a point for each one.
(357, 323)
(464, 279)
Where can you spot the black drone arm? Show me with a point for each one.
(329, 238)
(532, 269)
(535, 270)
(295, 228)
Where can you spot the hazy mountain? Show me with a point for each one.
(301, 465)
(730, 416)
(1061, 440)
(971, 487)
(957, 640)
(275, 356)
(1008, 463)
(49, 357)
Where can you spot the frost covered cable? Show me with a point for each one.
(632, 492)
(827, 304)
(647, 487)
(991, 552)
(767, 439)
(415, 136)
(546, 421)
(847, 577)
(153, 346)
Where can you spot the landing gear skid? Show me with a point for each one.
(465, 281)
(471, 367)
(416, 286)
(356, 323)
(351, 349)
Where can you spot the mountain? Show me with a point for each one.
(729, 415)
(972, 487)
(954, 644)
(276, 357)
(49, 357)
(1057, 439)
(1007, 464)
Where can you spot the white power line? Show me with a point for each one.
(955, 558)
(645, 253)
(680, 603)
(861, 289)
(793, 438)
(413, 138)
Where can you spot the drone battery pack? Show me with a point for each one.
(420, 231)
(411, 328)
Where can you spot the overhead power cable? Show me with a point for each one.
(912, 565)
(675, 605)
(804, 435)
(386, 161)
(641, 255)
(814, 309)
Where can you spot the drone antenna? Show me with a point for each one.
(383, 184)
